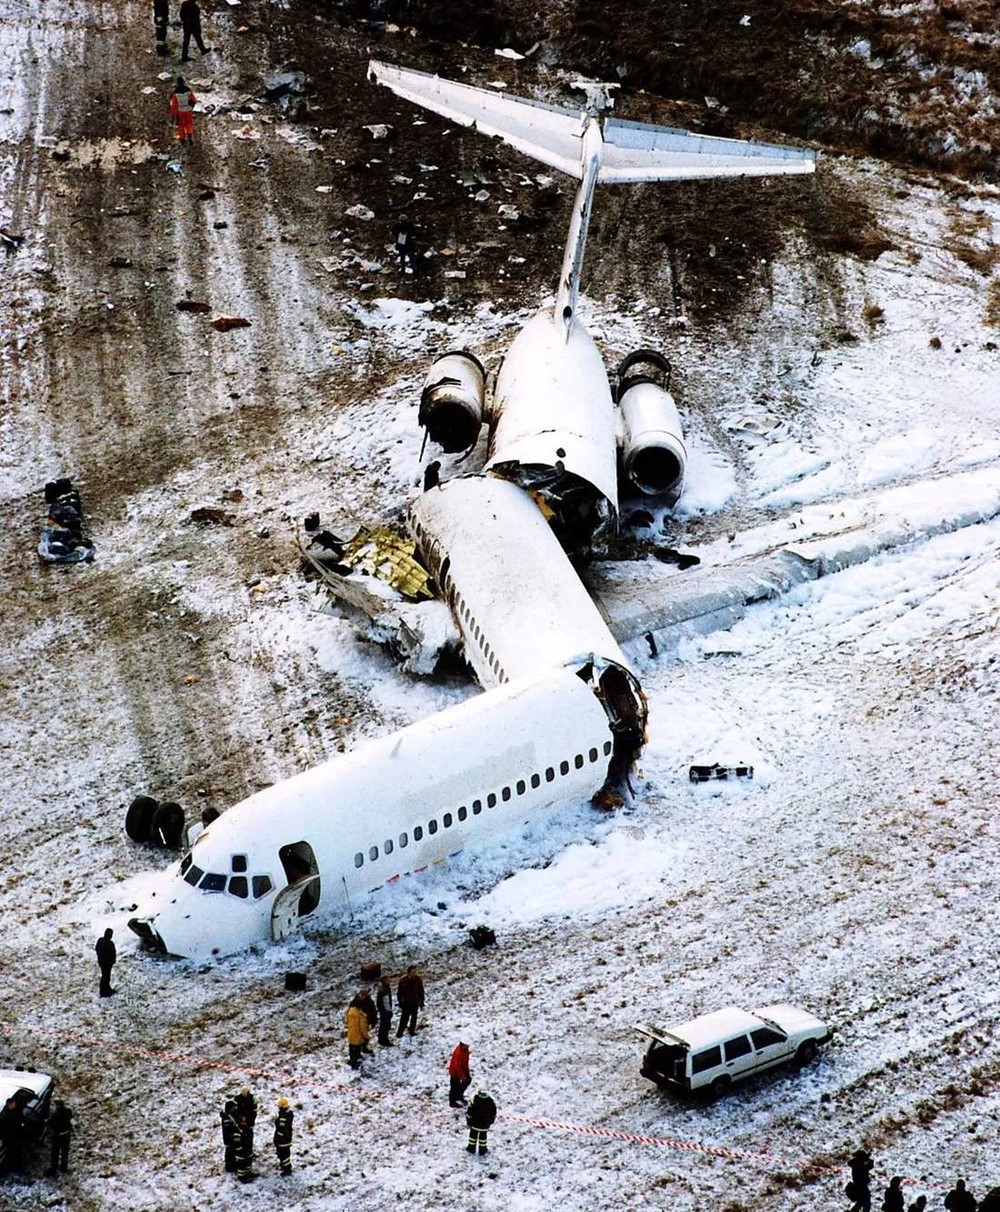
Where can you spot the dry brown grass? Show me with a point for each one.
(992, 316)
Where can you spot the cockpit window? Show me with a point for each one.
(185, 863)
(261, 885)
(213, 882)
(239, 862)
(238, 886)
(193, 875)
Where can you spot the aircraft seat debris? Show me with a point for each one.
(704, 774)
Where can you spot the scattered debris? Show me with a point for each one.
(360, 212)
(482, 195)
(704, 774)
(667, 555)
(482, 936)
(226, 323)
(11, 242)
(208, 515)
(380, 130)
(62, 540)
(192, 305)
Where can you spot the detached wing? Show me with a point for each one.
(550, 133)
(636, 151)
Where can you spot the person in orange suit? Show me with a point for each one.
(182, 103)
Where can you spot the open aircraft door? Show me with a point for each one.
(288, 907)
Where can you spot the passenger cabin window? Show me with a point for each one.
(387, 846)
(578, 761)
(593, 755)
(373, 853)
(193, 875)
(521, 786)
(260, 886)
(564, 767)
(418, 833)
(404, 841)
(706, 1060)
(764, 1036)
(505, 794)
(550, 775)
(238, 886)
(359, 859)
(491, 800)
(239, 862)
(536, 780)
(463, 813)
(607, 748)
(213, 882)
(477, 807)
(736, 1047)
(432, 826)
(446, 820)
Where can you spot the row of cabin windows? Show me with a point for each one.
(236, 884)
(472, 627)
(462, 814)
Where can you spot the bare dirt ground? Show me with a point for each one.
(179, 663)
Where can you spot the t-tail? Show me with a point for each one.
(585, 143)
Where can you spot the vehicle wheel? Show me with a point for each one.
(167, 826)
(720, 1086)
(806, 1052)
(139, 817)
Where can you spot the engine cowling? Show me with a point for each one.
(654, 457)
(452, 401)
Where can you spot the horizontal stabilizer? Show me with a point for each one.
(549, 133)
(636, 151)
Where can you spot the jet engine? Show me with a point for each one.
(452, 401)
(654, 456)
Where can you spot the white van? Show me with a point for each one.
(728, 1045)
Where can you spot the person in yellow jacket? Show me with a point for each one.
(358, 1030)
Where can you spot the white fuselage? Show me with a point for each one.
(388, 810)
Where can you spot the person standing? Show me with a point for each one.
(479, 1118)
(919, 1204)
(230, 1134)
(182, 103)
(383, 1004)
(283, 1136)
(12, 1132)
(107, 953)
(458, 1072)
(959, 1199)
(892, 1200)
(246, 1114)
(161, 19)
(61, 1130)
(410, 996)
(859, 1189)
(191, 25)
(364, 1000)
(404, 242)
(356, 1022)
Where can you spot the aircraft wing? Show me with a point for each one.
(550, 133)
(638, 151)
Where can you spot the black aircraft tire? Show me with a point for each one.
(167, 827)
(139, 817)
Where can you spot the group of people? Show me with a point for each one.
(366, 1014)
(239, 1116)
(13, 1133)
(859, 1191)
(182, 99)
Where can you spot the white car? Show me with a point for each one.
(729, 1045)
(32, 1092)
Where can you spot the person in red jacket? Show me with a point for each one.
(458, 1071)
(182, 103)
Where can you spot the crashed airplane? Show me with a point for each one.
(563, 716)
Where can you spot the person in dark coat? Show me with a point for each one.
(230, 1134)
(12, 1132)
(918, 1205)
(107, 953)
(480, 1117)
(383, 1004)
(859, 1188)
(410, 996)
(959, 1199)
(404, 242)
(459, 1075)
(161, 18)
(191, 25)
(892, 1200)
(283, 1136)
(432, 475)
(60, 1130)
(246, 1117)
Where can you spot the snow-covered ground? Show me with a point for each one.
(853, 874)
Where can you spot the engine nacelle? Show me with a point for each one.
(452, 401)
(654, 456)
